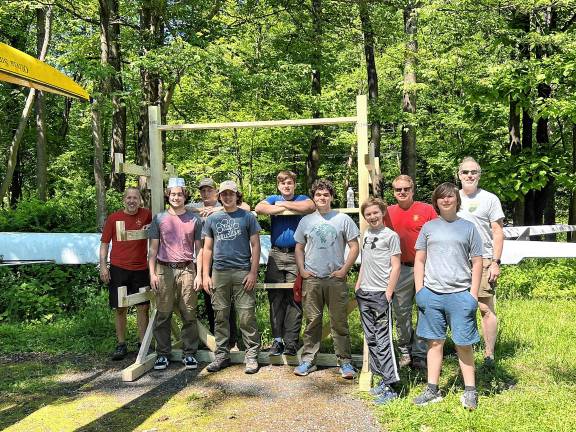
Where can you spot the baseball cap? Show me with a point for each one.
(228, 185)
(206, 182)
(176, 182)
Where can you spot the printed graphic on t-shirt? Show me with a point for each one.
(370, 241)
(415, 218)
(325, 234)
(472, 206)
(227, 229)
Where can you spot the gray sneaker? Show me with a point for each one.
(469, 399)
(427, 397)
(251, 366)
(218, 364)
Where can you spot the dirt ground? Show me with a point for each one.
(274, 399)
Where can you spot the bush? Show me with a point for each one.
(539, 278)
(42, 291)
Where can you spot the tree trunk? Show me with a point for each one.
(97, 141)
(527, 142)
(515, 146)
(41, 157)
(118, 143)
(313, 159)
(17, 139)
(372, 75)
(408, 155)
(151, 28)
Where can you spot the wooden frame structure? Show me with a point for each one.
(368, 171)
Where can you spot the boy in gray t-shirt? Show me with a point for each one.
(377, 280)
(447, 291)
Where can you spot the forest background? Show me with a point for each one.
(445, 79)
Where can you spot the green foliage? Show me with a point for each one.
(42, 292)
(539, 278)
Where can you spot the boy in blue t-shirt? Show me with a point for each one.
(285, 312)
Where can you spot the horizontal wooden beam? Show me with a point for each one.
(259, 124)
(136, 370)
(125, 300)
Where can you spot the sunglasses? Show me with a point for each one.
(403, 189)
(466, 172)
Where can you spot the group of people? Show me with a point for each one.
(448, 265)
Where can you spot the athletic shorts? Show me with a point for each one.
(132, 279)
(487, 289)
(437, 311)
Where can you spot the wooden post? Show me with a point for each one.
(365, 167)
(156, 162)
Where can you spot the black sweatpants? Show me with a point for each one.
(376, 318)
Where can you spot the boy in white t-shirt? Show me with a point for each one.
(374, 290)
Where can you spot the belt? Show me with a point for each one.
(408, 264)
(285, 250)
(175, 265)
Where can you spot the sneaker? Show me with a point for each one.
(386, 397)
(120, 352)
(419, 363)
(276, 349)
(251, 366)
(290, 350)
(190, 362)
(218, 364)
(469, 400)
(304, 369)
(379, 389)
(427, 396)
(161, 363)
(405, 360)
(347, 371)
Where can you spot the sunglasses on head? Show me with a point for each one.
(403, 189)
(466, 172)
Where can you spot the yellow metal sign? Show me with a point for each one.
(20, 68)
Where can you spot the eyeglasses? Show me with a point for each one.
(466, 172)
(403, 189)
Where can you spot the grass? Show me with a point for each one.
(531, 389)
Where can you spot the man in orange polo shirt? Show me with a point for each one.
(407, 218)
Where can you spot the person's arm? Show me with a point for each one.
(303, 207)
(497, 245)
(419, 263)
(243, 205)
(252, 276)
(264, 207)
(476, 276)
(198, 279)
(103, 258)
(207, 264)
(152, 253)
(394, 276)
(299, 258)
(353, 250)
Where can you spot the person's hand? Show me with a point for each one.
(207, 284)
(339, 274)
(389, 295)
(493, 272)
(250, 281)
(104, 274)
(197, 285)
(307, 274)
(154, 283)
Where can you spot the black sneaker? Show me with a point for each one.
(290, 350)
(161, 363)
(120, 352)
(276, 349)
(190, 362)
(218, 364)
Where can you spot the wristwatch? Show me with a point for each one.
(497, 261)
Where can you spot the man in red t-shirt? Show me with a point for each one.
(128, 265)
(407, 218)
